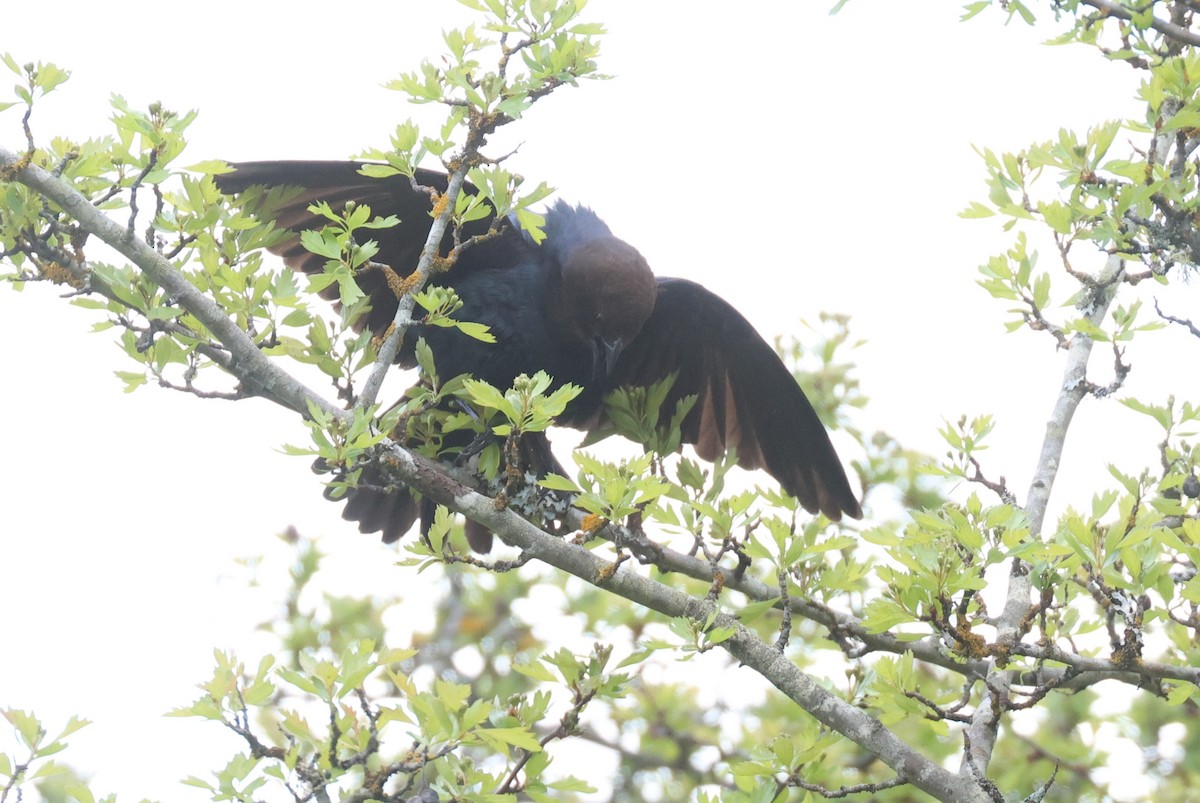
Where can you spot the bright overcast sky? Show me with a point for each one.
(792, 161)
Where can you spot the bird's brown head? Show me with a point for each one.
(602, 296)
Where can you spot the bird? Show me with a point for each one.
(583, 306)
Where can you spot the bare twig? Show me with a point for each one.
(844, 791)
(403, 317)
(785, 626)
(1191, 327)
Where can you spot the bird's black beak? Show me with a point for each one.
(604, 356)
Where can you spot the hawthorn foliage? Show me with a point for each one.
(944, 648)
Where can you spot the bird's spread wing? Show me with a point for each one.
(305, 183)
(746, 398)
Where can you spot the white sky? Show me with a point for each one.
(778, 146)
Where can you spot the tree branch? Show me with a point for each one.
(253, 368)
(403, 317)
(1167, 29)
(246, 362)
(1013, 619)
(744, 645)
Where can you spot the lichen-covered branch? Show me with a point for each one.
(256, 371)
(246, 361)
(1013, 620)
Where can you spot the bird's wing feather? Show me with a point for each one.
(335, 183)
(746, 398)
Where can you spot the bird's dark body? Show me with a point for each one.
(506, 287)
(584, 307)
(511, 302)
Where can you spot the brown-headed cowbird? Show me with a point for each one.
(583, 306)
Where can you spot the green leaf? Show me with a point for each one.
(883, 614)
(27, 726)
(536, 670)
(748, 613)
(321, 244)
(485, 395)
(517, 737)
(557, 482)
(478, 331)
(572, 784)
(977, 210)
(1057, 215)
(213, 167)
(969, 10)
(1163, 415)
(1180, 692)
(719, 634)
(453, 695)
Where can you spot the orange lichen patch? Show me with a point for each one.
(592, 523)
(440, 202)
(401, 286)
(608, 570)
(60, 275)
(390, 461)
(1129, 654)
(395, 282)
(718, 582)
(971, 644)
(1046, 599)
(415, 758)
(10, 172)
(377, 341)
(470, 625)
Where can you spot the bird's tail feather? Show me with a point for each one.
(391, 509)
